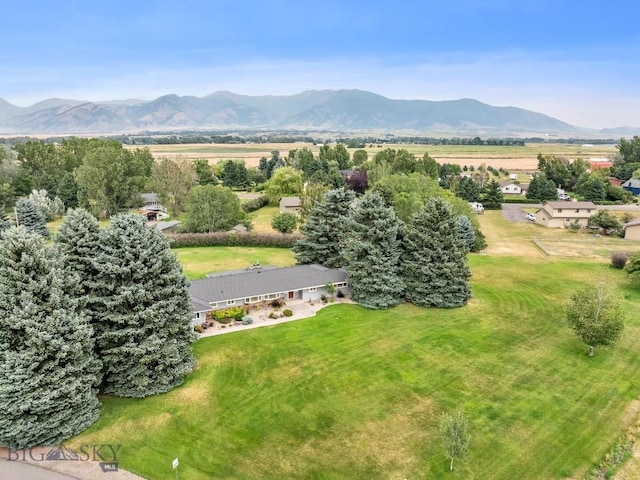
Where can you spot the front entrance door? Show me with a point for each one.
(291, 295)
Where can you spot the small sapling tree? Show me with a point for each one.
(454, 432)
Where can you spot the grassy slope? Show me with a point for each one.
(357, 394)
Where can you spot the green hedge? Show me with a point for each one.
(519, 200)
(226, 239)
(255, 204)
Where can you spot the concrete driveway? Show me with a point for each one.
(513, 211)
(25, 471)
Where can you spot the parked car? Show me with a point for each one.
(531, 216)
(564, 196)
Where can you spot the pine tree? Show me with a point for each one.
(48, 374)
(143, 330)
(466, 232)
(31, 218)
(372, 253)
(493, 196)
(324, 230)
(434, 263)
(77, 242)
(468, 190)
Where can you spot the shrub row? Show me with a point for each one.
(519, 200)
(227, 239)
(255, 204)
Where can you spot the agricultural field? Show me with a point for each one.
(354, 393)
(509, 157)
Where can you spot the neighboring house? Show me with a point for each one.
(168, 227)
(632, 230)
(632, 185)
(598, 163)
(290, 204)
(151, 207)
(561, 214)
(615, 181)
(256, 284)
(508, 188)
(477, 207)
(347, 174)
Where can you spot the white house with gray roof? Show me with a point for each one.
(255, 284)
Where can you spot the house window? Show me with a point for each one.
(312, 289)
(231, 302)
(577, 210)
(252, 299)
(213, 304)
(588, 210)
(339, 285)
(559, 210)
(272, 296)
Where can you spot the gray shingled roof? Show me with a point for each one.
(290, 202)
(250, 283)
(632, 182)
(164, 225)
(557, 205)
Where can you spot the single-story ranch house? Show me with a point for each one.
(561, 214)
(255, 284)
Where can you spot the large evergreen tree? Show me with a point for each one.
(493, 196)
(48, 374)
(372, 253)
(434, 263)
(31, 218)
(468, 190)
(142, 301)
(325, 230)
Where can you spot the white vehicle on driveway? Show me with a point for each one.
(531, 216)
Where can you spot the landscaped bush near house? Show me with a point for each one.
(227, 239)
(247, 320)
(226, 315)
(255, 204)
(277, 303)
(287, 312)
(340, 294)
(619, 259)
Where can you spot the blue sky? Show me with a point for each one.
(578, 61)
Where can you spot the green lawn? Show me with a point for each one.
(262, 217)
(357, 394)
(198, 261)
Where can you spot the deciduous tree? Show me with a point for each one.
(212, 208)
(596, 314)
(454, 434)
(284, 222)
(285, 182)
(172, 179)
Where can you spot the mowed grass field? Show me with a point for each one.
(353, 393)
(510, 157)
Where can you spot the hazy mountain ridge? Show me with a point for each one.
(337, 110)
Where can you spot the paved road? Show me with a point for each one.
(24, 471)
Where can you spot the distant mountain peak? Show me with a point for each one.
(338, 110)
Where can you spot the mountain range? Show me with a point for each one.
(314, 110)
